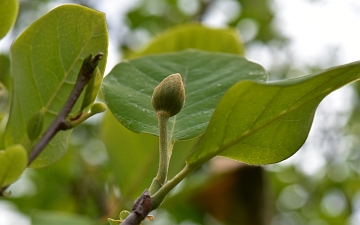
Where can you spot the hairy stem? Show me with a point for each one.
(145, 204)
(160, 195)
(164, 155)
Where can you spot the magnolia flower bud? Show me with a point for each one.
(169, 95)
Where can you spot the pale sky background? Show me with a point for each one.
(313, 27)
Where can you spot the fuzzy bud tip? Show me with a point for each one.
(169, 95)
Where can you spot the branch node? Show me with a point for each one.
(60, 123)
(140, 210)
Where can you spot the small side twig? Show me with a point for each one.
(60, 123)
(140, 210)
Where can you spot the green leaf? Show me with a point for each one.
(113, 222)
(194, 36)
(59, 218)
(35, 126)
(5, 76)
(8, 13)
(266, 123)
(13, 162)
(5, 98)
(46, 59)
(207, 76)
(134, 157)
(123, 214)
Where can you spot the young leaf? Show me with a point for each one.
(207, 76)
(123, 214)
(91, 90)
(8, 13)
(13, 162)
(46, 59)
(194, 36)
(113, 222)
(266, 123)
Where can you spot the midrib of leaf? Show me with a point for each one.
(248, 133)
(53, 96)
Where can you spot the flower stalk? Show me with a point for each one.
(167, 100)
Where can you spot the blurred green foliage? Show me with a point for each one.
(85, 182)
(8, 13)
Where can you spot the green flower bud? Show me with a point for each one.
(169, 95)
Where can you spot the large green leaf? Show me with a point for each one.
(134, 157)
(13, 162)
(8, 13)
(194, 36)
(46, 59)
(207, 76)
(266, 123)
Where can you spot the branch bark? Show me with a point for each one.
(60, 123)
(140, 210)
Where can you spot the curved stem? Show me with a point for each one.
(164, 156)
(161, 176)
(161, 194)
(145, 203)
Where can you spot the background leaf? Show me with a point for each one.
(5, 98)
(5, 76)
(267, 123)
(207, 76)
(194, 36)
(59, 218)
(8, 13)
(13, 162)
(46, 58)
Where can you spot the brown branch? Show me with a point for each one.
(60, 123)
(140, 210)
